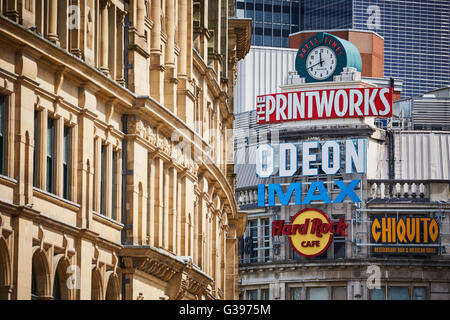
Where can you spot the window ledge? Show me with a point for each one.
(108, 221)
(55, 199)
(8, 181)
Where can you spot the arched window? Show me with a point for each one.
(56, 288)
(112, 290)
(40, 278)
(34, 291)
(5, 271)
(97, 288)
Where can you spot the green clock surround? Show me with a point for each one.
(337, 55)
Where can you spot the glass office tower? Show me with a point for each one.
(273, 20)
(416, 35)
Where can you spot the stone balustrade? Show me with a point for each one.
(398, 189)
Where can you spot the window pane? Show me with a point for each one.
(50, 153)
(2, 134)
(36, 146)
(296, 293)
(339, 293)
(317, 293)
(420, 294)
(377, 294)
(252, 295)
(265, 294)
(114, 187)
(399, 293)
(66, 181)
(102, 179)
(253, 229)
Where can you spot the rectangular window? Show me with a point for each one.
(66, 163)
(102, 179)
(317, 293)
(420, 293)
(296, 293)
(339, 293)
(265, 294)
(253, 229)
(377, 294)
(267, 235)
(2, 135)
(114, 184)
(252, 295)
(399, 293)
(50, 155)
(36, 146)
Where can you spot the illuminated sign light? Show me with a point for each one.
(404, 231)
(310, 231)
(289, 164)
(324, 104)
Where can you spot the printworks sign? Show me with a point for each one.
(404, 235)
(324, 104)
(310, 231)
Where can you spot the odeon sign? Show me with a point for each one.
(355, 162)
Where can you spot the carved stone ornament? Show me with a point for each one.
(142, 129)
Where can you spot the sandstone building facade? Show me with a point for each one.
(114, 179)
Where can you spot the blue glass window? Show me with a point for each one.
(114, 184)
(50, 155)
(66, 163)
(102, 179)
(36, 146)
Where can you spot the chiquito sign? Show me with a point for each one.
(324, 104)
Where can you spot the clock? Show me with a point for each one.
(324, 56)
(321, 62)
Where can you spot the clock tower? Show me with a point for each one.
(323, 56)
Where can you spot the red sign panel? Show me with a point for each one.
(324, 104)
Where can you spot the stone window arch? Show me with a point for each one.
(96, 285)
(40, 283)
(5, 271)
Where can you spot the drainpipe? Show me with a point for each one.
(391, 149)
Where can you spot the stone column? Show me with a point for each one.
(104, 35)
(151, 200)
(159, 205)
(23, 246)
(179, 222)
(173, 226)
(120, 72)
(182, 37)
(171, 76)
(166, 207)
(52, 18)
(140, 16)
(156, 59)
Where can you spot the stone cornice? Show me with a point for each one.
(181, 273)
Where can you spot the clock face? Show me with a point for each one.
(321, 63)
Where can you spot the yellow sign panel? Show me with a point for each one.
(405, 230)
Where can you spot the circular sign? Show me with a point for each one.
(314, 232)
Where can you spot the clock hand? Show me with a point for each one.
(314, 65)
(321, 61)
